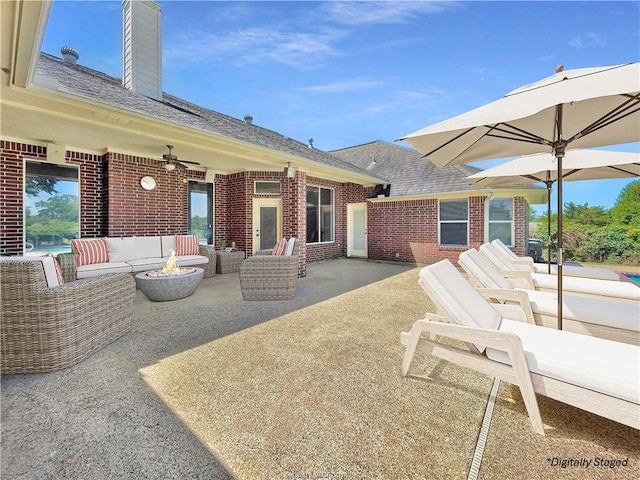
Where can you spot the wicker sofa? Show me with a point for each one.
(137, 254)
(270, 277)
(48, 326)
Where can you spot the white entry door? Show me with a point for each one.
(267, 223)
(357, 230)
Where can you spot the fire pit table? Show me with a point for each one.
(163, 287)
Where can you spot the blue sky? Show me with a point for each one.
(347, 73)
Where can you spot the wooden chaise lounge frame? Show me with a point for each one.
(517, 373)
(493, 286)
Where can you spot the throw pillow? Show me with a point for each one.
(88, 252)
(187, 245)
(280, 248)
(58, 269)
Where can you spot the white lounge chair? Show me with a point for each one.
(622, 291)
(604, 318)
(593, 374)
(567, 270)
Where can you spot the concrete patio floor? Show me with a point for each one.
(99, 420)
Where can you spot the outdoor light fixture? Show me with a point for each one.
(169, 167)
(290, 171)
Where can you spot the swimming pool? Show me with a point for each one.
(634, 277)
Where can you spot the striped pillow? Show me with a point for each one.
(88, 252)
(280, 247)
(187, 245)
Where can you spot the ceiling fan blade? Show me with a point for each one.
(185, 161)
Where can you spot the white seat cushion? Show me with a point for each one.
(143, 264)
(598, 311)
(93, 269)
(604, 366)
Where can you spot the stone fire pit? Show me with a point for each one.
(163, 287)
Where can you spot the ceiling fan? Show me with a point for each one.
(172, 161)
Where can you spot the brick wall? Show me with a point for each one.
(92, 192)
(407, 231)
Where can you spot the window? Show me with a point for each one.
(52, 208)
(267, 188)
(500, 220)
(319, 215)
(454, 222)
(201, 211)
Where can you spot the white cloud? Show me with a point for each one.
(351, 85)
(256, 45)
(586, 41)
(368, 12)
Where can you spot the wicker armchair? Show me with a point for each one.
(270, 277)
(43, 328)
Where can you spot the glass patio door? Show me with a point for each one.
(267, 223)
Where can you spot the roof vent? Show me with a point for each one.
(69, 55)
(248, 119)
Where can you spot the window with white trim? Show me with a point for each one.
(453, 222)
(266, 187)
(320, 224)
(500, 220)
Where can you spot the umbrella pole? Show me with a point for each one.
(559, 152)
(549, 183)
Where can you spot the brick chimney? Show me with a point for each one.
(142, 30)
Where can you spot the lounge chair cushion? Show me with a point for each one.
(598, 311)
(601, 365)
(459, 299)
(576, 271)
(592, 286)
(569, 270)
(479, 267)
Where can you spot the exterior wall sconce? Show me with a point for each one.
(290, 171)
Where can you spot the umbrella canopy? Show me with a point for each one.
(581, 108)
(578, 164)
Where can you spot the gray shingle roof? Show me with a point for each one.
(406, 170)
(97, 86)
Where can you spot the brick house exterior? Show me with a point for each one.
(113, 134)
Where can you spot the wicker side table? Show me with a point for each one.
(228, 262)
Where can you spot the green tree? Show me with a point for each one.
(36, 185)
(626, 210)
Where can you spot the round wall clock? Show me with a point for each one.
(148, 183)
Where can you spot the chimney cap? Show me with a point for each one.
(248, 119)
(69, 55)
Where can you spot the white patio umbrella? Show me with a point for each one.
(581, 108)
(578, 164)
